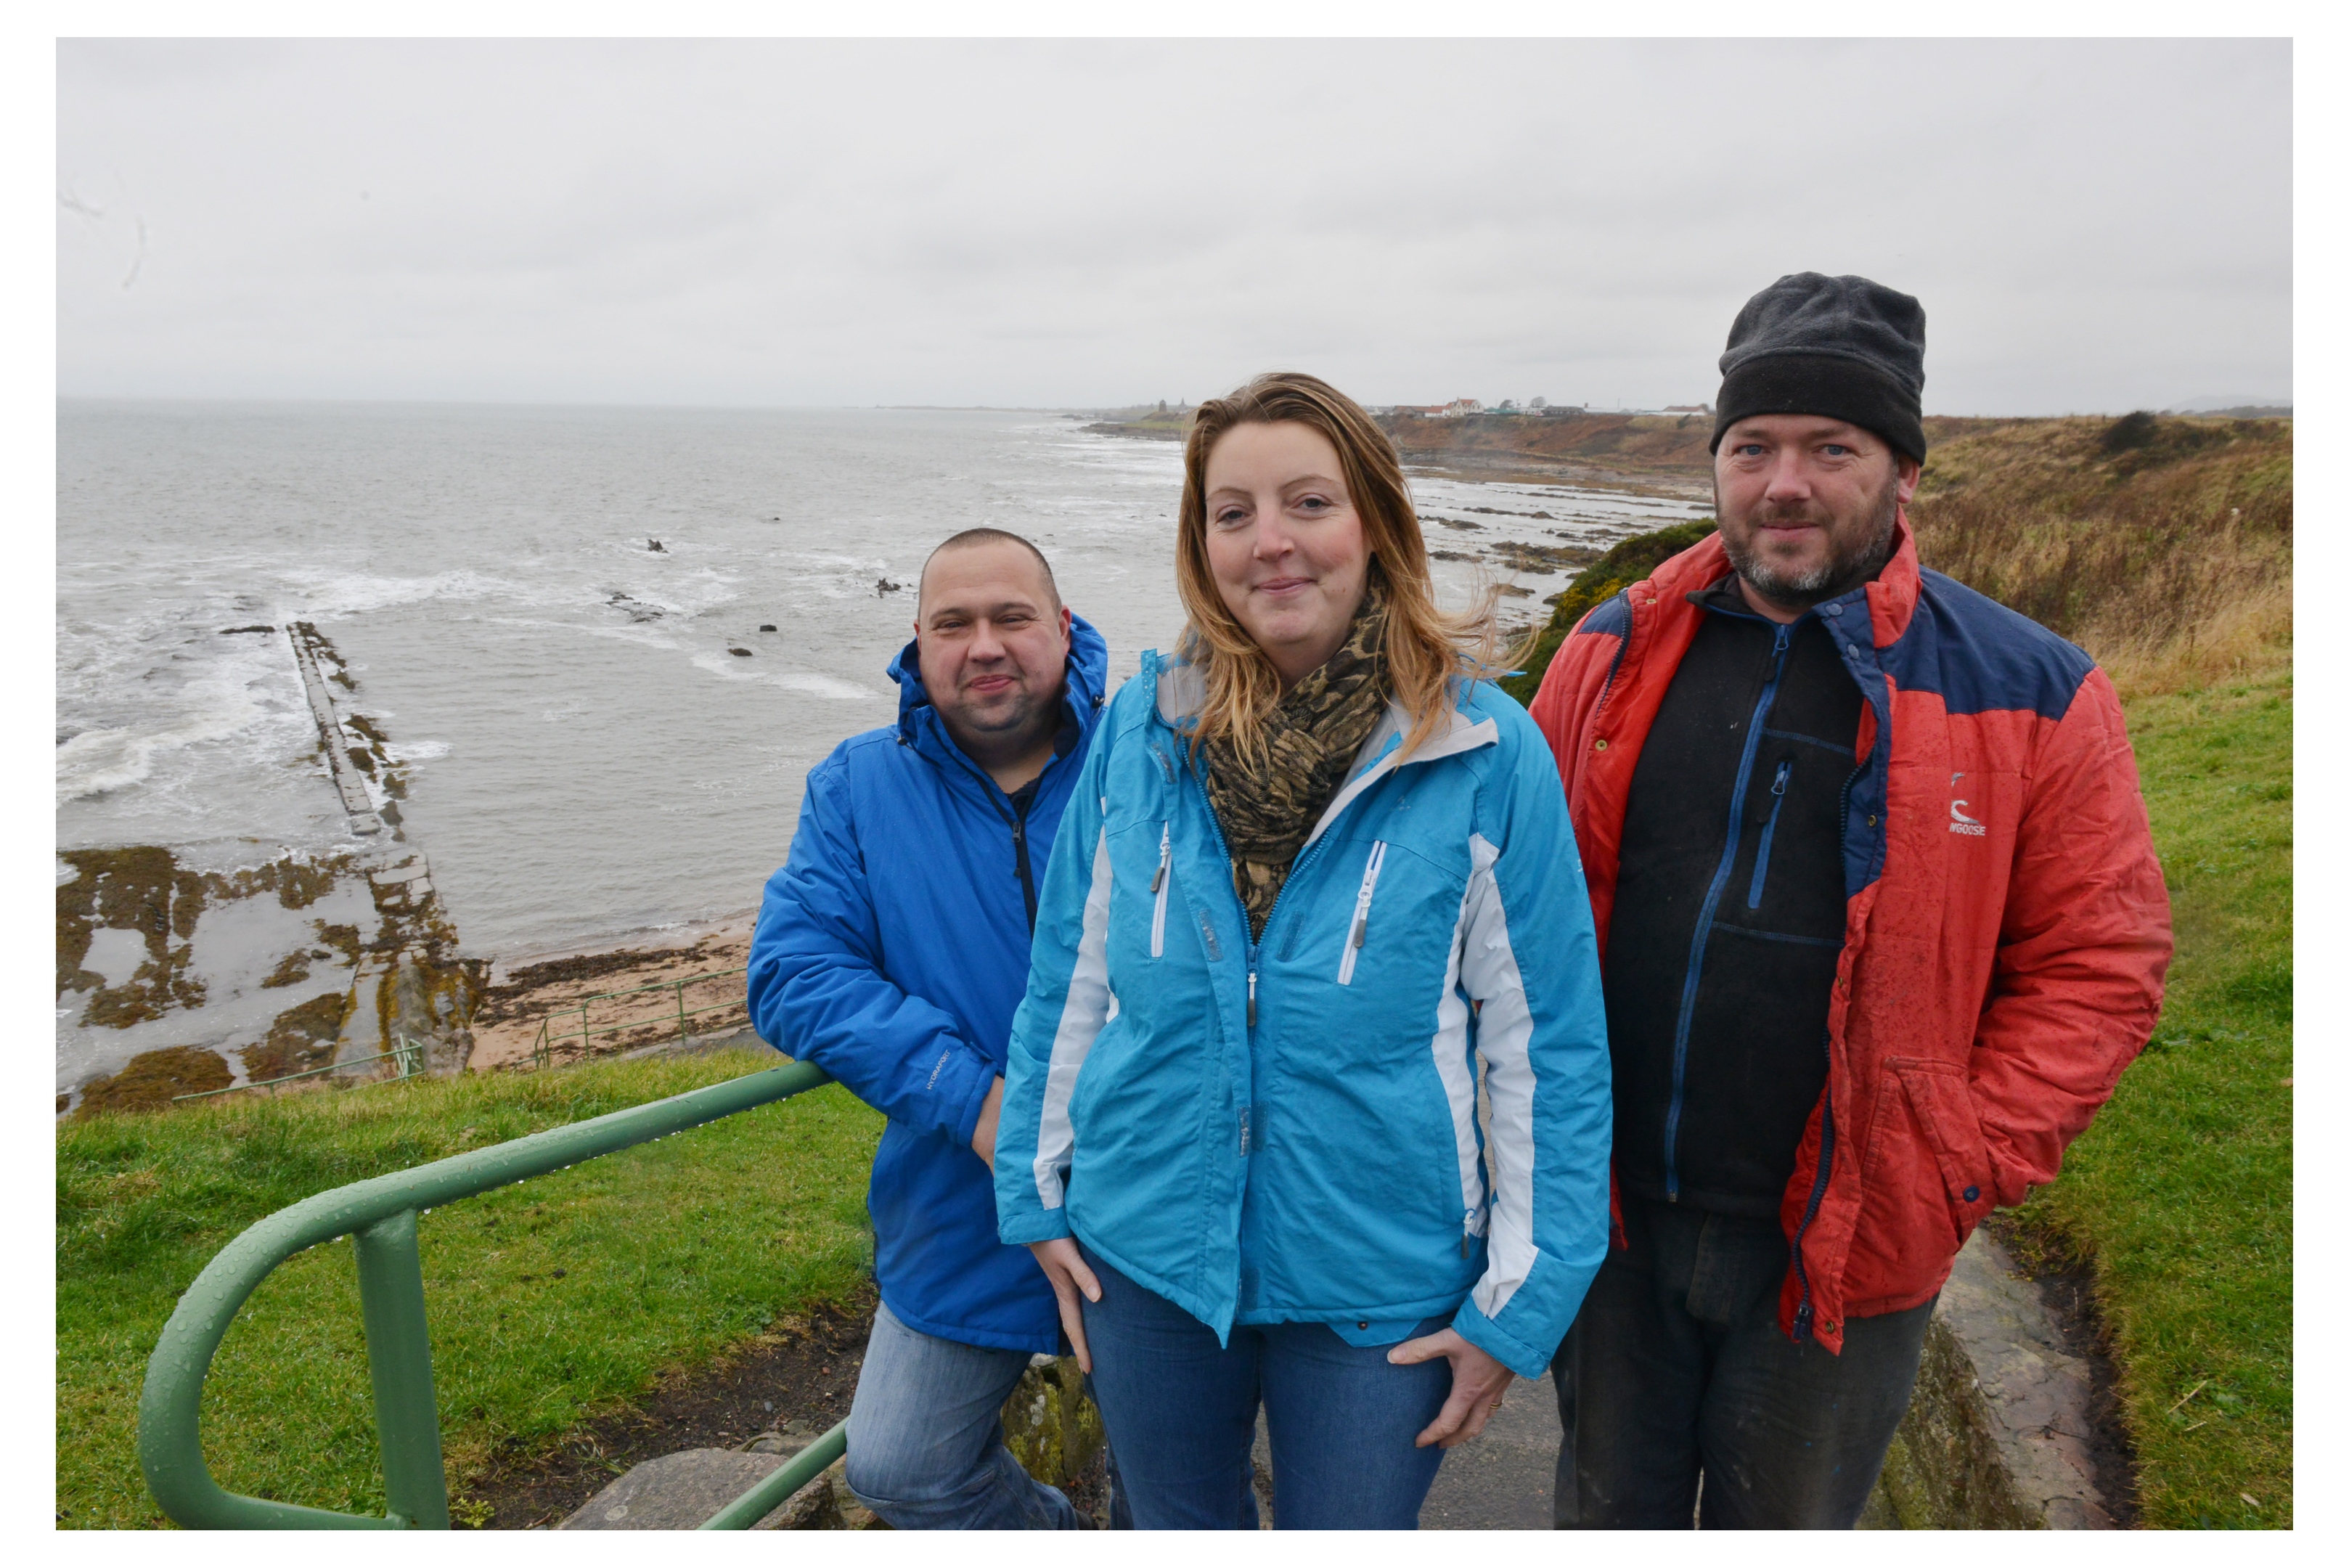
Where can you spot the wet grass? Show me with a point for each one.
(549, 1302)
(2180, 1192)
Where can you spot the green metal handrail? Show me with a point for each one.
(775, 1490)
(380, 1216)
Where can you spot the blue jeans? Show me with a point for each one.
(925, 1436)
(1676, 1366)
(1181, 1415)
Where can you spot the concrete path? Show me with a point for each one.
(1499, 1480)
(1502, 1478)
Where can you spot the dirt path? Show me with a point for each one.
(803, 1369)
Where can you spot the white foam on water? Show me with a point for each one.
(308, 595)
(723, 665)
(828, 687)
(728, 666)
(211, 707)
(644, 633)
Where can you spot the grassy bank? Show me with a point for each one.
(2164, 547)
(549, 1301)
(2180, 1191)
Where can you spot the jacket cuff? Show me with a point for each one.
(1034, 1225)
(1525, 1360)
(966, 1122)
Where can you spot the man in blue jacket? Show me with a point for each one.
(891, 951)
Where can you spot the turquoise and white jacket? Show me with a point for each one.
(1293, 1130)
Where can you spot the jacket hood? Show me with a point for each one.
(1088, 679)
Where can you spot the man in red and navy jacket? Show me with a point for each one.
(1880, 921)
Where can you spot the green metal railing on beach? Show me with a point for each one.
(408, 1054)
(542, 1051)
(380, 1215)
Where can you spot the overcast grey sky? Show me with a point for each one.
(2092, 225)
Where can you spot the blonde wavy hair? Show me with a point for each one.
(1427, 650)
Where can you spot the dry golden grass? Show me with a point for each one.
(2163, 546)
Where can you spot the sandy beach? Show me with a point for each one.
(703, 976)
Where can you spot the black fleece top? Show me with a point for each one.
(1729, 911)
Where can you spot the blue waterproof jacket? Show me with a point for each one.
(1292, 1130)
(890, 951)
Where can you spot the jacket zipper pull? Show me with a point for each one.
(1165, 854)
(1251, 999)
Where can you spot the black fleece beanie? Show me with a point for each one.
(1841, 346)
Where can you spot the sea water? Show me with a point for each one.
(588, 759)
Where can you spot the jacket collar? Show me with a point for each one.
(919, 725)
(1377, 758)
(1182, 688)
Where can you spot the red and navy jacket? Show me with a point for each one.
(2006, 929)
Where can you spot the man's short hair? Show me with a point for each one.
(970, 536)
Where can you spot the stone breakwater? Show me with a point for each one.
(187, 969)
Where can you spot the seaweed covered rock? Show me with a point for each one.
(151, 1080)
(1051, 1425)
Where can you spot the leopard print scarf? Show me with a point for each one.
(1310, 741)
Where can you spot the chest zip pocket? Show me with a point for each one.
(1357, 932)
(1769, 830)
(1158, 884)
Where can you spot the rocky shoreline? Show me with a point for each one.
(632, 998)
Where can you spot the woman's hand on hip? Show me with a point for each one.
(1065, 1267)
(1478, 1383)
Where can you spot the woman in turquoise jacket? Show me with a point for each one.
(1307, 1102)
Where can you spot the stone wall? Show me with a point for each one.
(1997, 1434)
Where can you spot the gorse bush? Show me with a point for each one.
(1618, 569)
(2128, 432)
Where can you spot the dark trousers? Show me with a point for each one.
(1676, 1367)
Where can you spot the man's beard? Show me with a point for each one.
(1850, 561)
